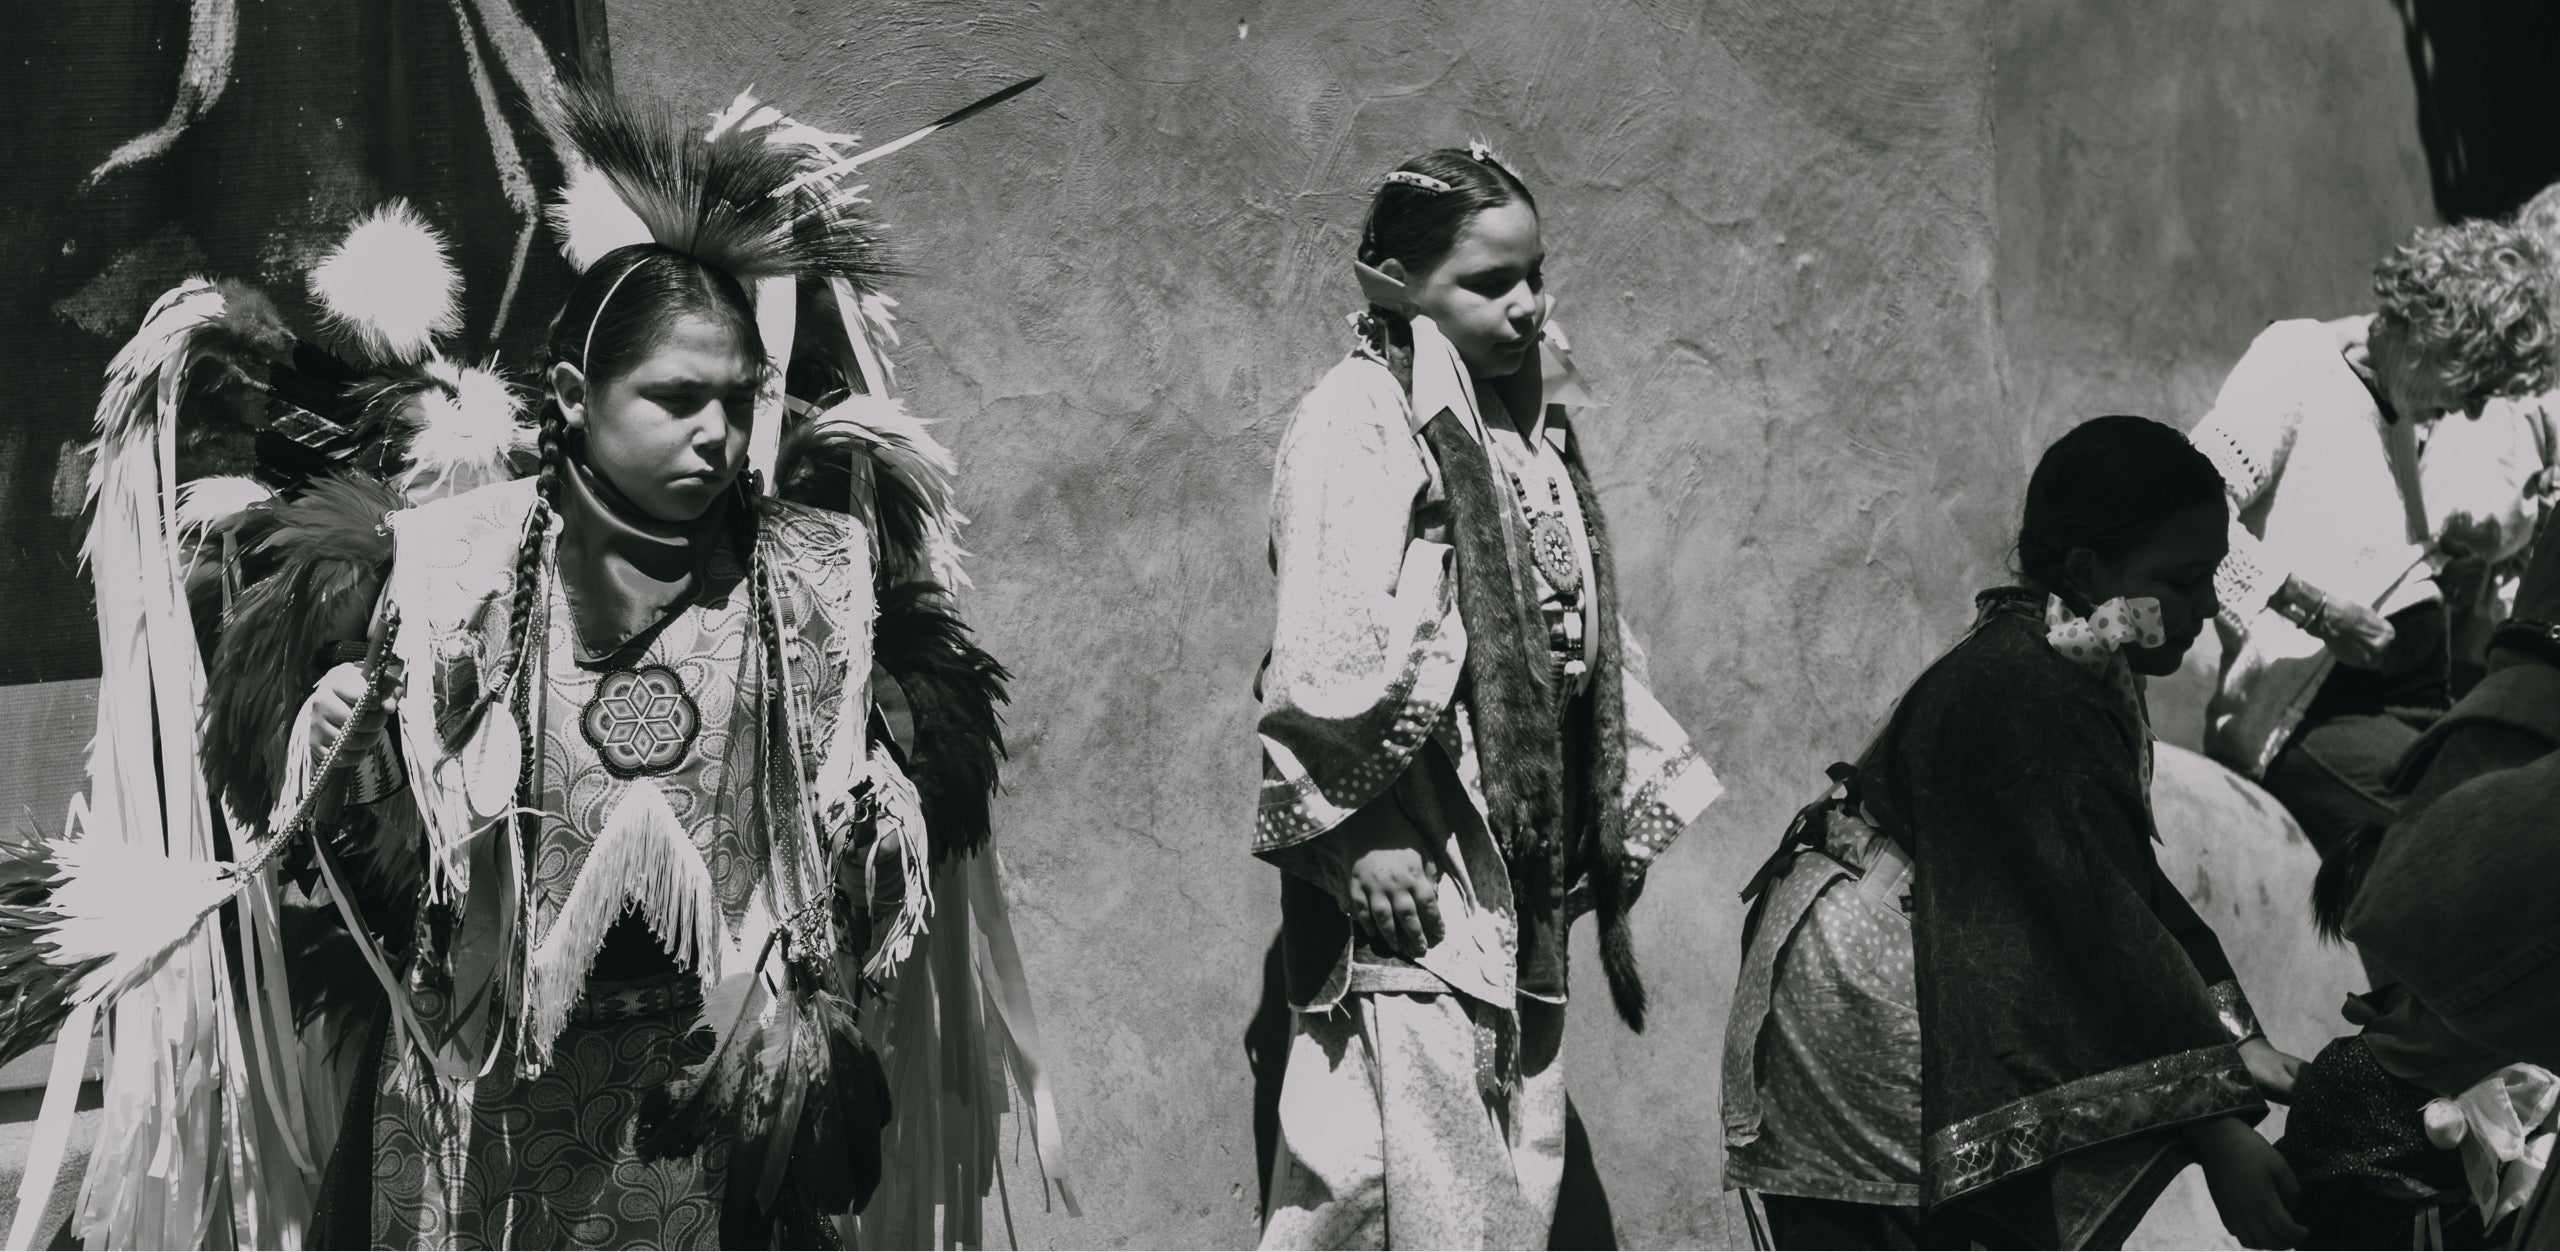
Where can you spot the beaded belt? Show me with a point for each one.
(617, 1000)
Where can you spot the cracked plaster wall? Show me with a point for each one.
(1833, 331)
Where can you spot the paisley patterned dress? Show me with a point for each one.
(665, 796)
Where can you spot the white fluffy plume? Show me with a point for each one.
(591, 218)
(462, 431)
(390, 285)
(902, 445)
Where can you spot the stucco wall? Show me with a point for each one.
(2174, 175)
(1841, 269)
(1771, 228)
(1837, 278)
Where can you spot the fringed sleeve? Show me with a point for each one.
(1366, 654)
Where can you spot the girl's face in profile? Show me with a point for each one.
(2174, 566)
(670, 433)
(1489, 294)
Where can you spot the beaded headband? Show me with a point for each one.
(1478, 151)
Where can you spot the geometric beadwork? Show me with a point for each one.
(641, 721)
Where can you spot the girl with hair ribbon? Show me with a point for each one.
(1461, 752)
(1972, 1010)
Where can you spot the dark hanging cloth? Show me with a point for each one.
(327, 110)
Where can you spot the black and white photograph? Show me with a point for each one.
(1391, 624)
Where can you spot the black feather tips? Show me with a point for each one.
(953, 690)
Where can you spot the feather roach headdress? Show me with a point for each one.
(728, 196)
(222, 599)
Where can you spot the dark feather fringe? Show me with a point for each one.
(803, 1098)
(1616, 880)
(385, 864)
(333, 555)
(715, 199)
(334, 990)
(38, 991)
(953, 688)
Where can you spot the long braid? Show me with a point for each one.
(546, 490)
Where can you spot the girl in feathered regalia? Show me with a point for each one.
(1460, 749)
(622, 874)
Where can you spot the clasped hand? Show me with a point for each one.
(1392, 889)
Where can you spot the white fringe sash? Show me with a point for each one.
(643, 858)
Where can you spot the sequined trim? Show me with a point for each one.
(2029, 1133)
(2231, 1005)
(1289, 805)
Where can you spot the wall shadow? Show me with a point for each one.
(1583, 1218)
(2486, 99)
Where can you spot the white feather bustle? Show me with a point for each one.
(390, 285)
(462, 431)
(129, 903)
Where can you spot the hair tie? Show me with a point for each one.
(1482, 154)
(1424, 181)
(2095, 639)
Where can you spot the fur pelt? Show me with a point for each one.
(1512, 699)
(1514, 705)
(1616, 878)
